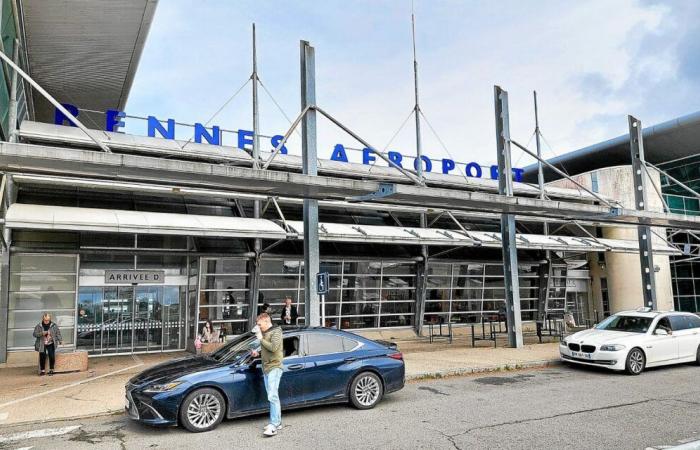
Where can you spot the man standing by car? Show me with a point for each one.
(270, 338)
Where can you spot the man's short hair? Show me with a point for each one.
(264, 316)
(288, 297)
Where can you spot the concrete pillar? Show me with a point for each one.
(623, 270)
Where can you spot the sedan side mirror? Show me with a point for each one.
(660, 332)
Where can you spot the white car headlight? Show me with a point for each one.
(163, 387)
(611, 347)
(563, 343)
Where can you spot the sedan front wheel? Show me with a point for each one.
(202, 410)
(636, 361)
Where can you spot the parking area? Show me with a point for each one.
(563, 407)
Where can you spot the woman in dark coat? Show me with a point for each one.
(48, 337)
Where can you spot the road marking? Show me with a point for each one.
(695, 445)
(4, 416)
(62, 388)
(38, 434)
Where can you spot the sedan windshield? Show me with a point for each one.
(630, 324)
(237, 350)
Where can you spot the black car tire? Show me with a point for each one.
(202, 410)
(366, 390)
(636, 361)
(697, 357)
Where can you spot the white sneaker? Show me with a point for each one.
(270, 430)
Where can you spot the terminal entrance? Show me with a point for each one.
(128, 319)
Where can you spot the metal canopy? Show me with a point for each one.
(25, 158)
(379, 234)
(64, 218)
(85, 53)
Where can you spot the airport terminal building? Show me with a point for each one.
(134, 250)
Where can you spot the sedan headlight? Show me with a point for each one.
(611, 347)
(163, 387)
(563, 343)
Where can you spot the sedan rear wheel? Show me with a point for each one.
(697, 357)
(202, 410)
(636, 361)
(366, 390)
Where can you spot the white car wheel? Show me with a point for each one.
(636, 361)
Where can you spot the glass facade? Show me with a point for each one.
(131, 318)
(685, 271)
(40, 283)
(468, 292)
(224, 294)
(364, 293)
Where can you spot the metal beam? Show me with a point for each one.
(41, 159)
(310, 168)
(646, 253)
(510, 252)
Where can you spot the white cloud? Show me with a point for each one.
(579, 56)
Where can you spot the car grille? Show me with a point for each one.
(588, 348)
(606, 362)
(133, 410)
(574, 347)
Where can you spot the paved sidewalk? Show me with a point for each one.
(26, 397)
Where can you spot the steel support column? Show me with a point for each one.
(646, 256)
(257, 243)
(12, 121)
(510, 253)
(309, 167)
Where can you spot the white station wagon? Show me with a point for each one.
(634, 340)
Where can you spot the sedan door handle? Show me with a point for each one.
(350, 359)
(296, 367)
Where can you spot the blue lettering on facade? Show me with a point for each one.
(155, 125)
(427, 166)
(60, 119)
(494, 172)
(245, 137)
(368, 156)
(396, 158)
(472, 169)
(339, 153)
(114, 120)
(213, 138)
(275, 141)
(448, 165)
(518, 174)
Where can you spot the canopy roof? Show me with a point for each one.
(68, 218)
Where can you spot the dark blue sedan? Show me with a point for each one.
(321, 366)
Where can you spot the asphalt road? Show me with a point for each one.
(561, 408)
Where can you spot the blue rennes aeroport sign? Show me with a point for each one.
(114, 120)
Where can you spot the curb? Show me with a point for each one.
(111, 412)
(486, 369)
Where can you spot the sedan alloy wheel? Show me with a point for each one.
(635, 362)
(366, 390)
(202, 410)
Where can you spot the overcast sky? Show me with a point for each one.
(591, 62)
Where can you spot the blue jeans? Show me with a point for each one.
(272, 384)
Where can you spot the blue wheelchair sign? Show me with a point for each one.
(322, 283)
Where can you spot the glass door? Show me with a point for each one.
(125, 319)
(117, 319)
(148, 323)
